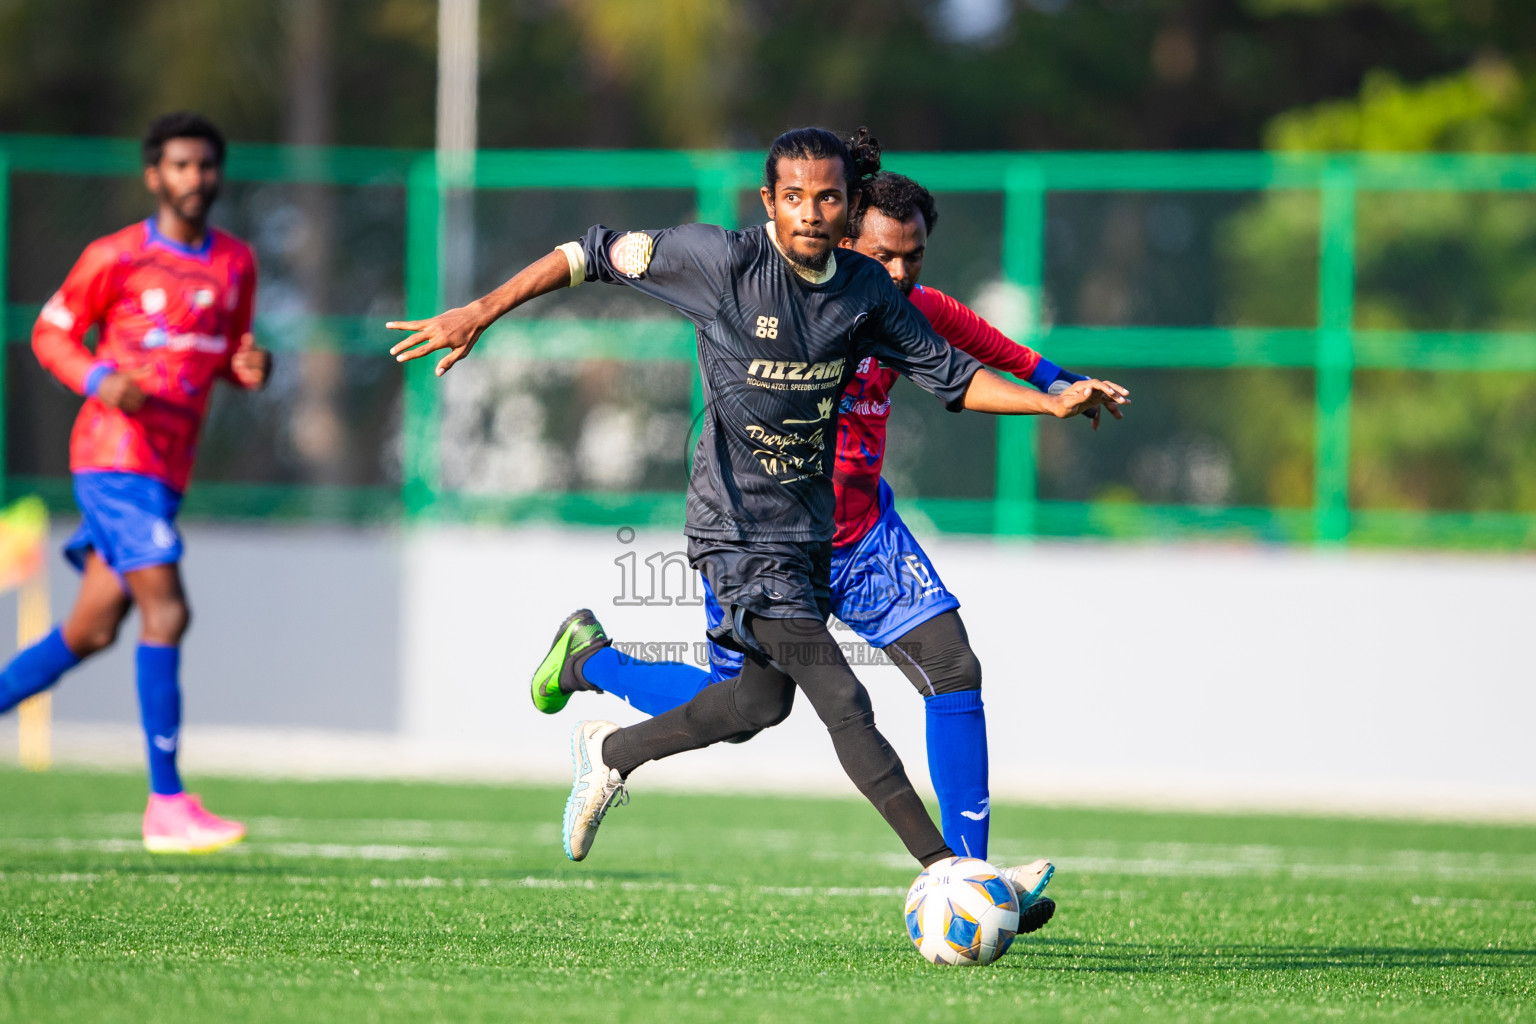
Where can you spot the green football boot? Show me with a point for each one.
(580, 636)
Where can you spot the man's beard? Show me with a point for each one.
(188, 206)
(816, 263)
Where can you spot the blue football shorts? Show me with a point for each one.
(128, 519)
(882, 586)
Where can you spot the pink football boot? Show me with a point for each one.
(179, 824)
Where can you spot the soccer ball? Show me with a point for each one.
(961, 911)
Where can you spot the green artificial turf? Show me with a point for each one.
(396, 902)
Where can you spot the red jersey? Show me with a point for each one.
(177, 313)
(866, 406)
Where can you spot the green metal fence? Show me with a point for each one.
(1334, 348)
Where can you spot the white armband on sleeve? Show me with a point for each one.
(576, 257)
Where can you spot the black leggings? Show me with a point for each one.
(936, 656)
(803, 654)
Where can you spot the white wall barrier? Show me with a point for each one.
(1190, 675)
(1233, 676)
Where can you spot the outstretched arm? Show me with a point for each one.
(968, 331)
(685, 267)
(909, 343)
(990, 393)
(458, 329)
(972, 334)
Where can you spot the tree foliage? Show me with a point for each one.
(1318, 75)
(1122, 74)
(1426, 262)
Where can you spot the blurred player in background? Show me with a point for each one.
(782, 323)
(173, 299)
(884, 586)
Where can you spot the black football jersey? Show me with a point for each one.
(775, 353)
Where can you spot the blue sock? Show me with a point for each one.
(651, 686)
(957, 764)
(160, 709)
(35, 669)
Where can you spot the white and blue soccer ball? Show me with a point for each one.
(962, 912)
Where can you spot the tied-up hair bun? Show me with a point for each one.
(859, 154)
(864, 150)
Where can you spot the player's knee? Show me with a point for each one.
(765, 710)
(961, 671)
(849, 706)
(91, 639)
(781, 710)
(742, 737)
(936, 657)
(166, 621)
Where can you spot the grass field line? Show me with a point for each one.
(1401, 864)
(426, 839)
(433, 882)
(395, 830)
(326, 851)
(413, 839)
(1470, 902)
(656, 886)
(1299, 871)
(447, 832)
(1106, 856)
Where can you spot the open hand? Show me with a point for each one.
(1086, 396)
(120, 390)
(250, 364)
(456, 330)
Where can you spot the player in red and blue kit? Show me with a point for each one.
(173, 298)
(884, 585)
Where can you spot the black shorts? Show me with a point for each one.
(769, 579)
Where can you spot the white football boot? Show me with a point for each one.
(1028, 882)
(596, 789)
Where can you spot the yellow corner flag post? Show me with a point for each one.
(23, 535)
(36, 712)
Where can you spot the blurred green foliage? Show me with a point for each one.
(1426, 262)
(1321, 75)
(929, 74)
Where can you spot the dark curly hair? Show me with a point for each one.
(859, 154)
(896, 196)
(180, 125)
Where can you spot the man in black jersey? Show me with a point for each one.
(782, 322)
